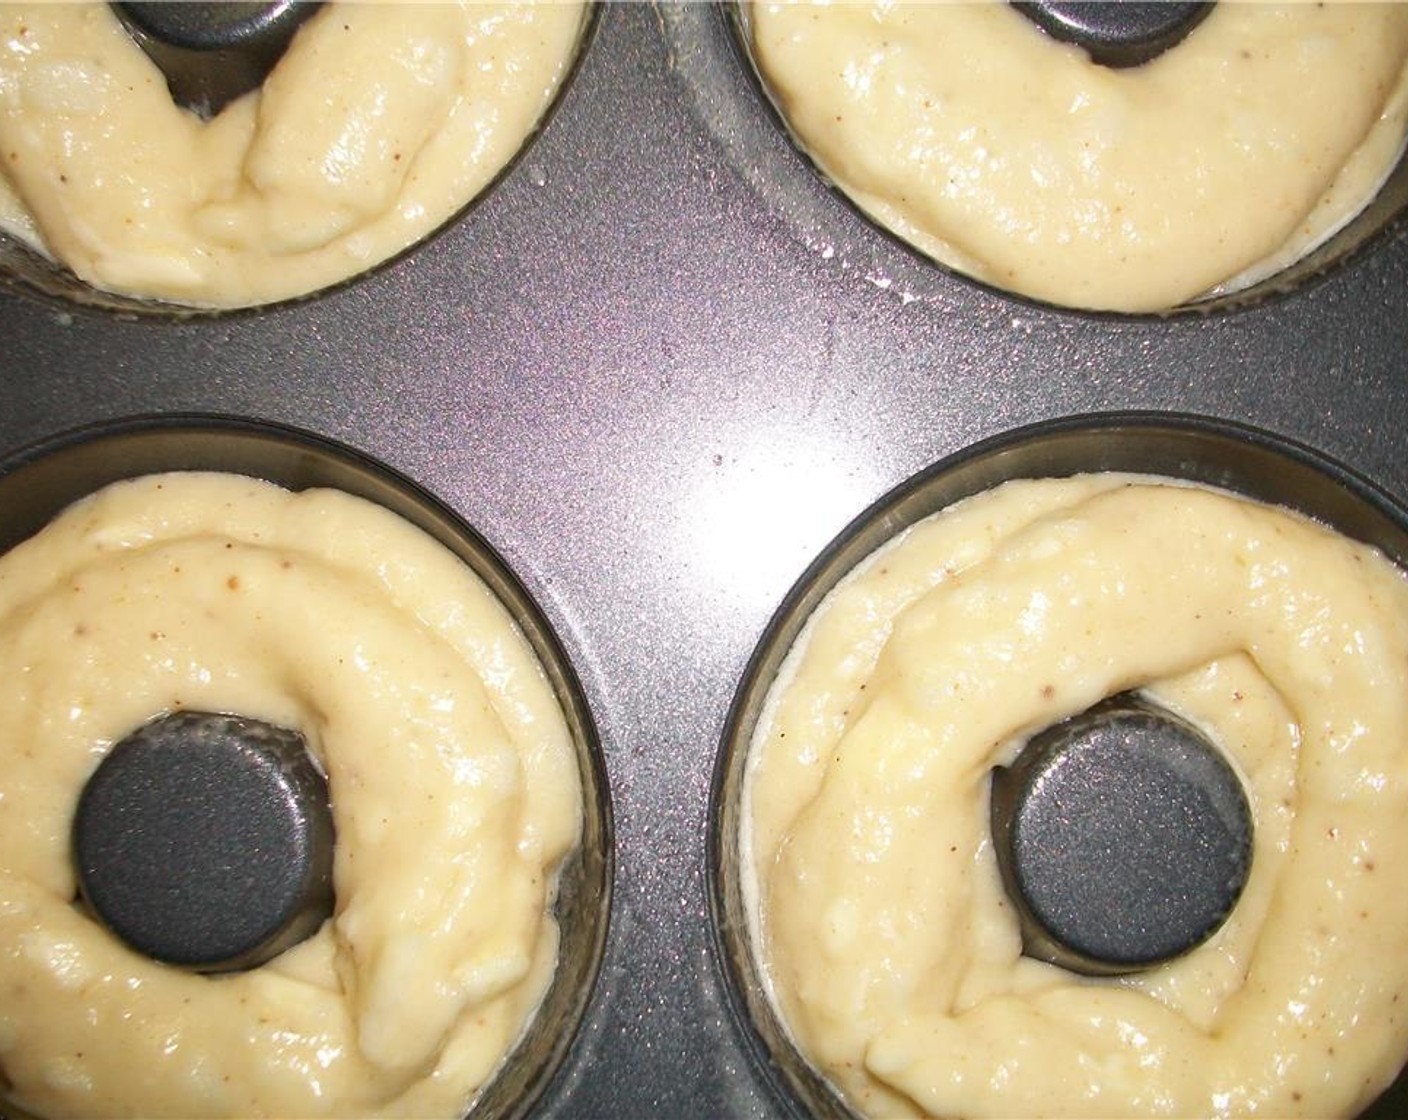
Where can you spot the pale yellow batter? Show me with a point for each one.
(378, 124)
(451, 771)
(1006, 154)
(876, 905)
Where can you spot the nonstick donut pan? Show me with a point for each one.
(658, 367)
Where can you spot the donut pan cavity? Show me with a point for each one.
(1195, 449)
(39, 481)
(660, 366)
(245, 43)
(1382, 216)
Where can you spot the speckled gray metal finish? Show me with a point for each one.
(1123, 836)
(206, 840)
(659, 367)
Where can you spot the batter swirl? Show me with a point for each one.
(878, 910)
(1013, 157)
(451, 772)
(379, 122)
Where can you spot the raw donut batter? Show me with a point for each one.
(877, 908)
(1006, 154)
(380, 121)
(452, 777)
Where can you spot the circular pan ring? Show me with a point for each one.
(40, 480)
(1200, 449)
(26, 272)
(1381, 222)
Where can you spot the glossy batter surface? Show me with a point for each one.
(877, 908)
(452, 777)
(1006, 154)
(378, 124)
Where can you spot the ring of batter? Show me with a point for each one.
(876, 906)
(452, 775)
(377, 125)
(1005, 154)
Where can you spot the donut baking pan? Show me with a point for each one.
(659, 366)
